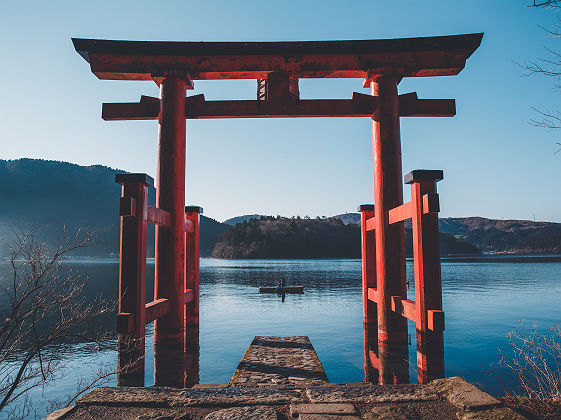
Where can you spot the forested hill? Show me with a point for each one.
(512, 236)
(495, 236)
(281, 237)
(46, 195)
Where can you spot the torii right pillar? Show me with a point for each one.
(389, 239)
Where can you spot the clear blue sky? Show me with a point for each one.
(495, 164)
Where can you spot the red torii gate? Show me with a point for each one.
(277, 66)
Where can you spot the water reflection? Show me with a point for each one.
(192, 356)
(384, 363)
(482, 301)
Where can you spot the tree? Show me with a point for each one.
(41, 311)
(549, 67)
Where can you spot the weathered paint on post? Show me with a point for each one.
(170, 242)
(388, 193)
(428, 286)
(132, 276)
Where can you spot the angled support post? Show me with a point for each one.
(428, 288)
(170, 241)
(132, 278)
(390, 239)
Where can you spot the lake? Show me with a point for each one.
(483, 302)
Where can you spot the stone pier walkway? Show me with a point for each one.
(279, 361)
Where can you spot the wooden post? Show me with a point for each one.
(428, 287)
(368, 250)
(192, 253)
(390, 239)
(132, 278)
(170, 242)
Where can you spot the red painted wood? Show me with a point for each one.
(428, 288)
(278, 86)
(198, 108)
(130, 111)
(390, 239)
(435, 320)
(411, 106)
(188, 296)
(368, 246)
(404, 307)
(200, 67)
(127, 206)
(431, 203)
(189, 226)
(371, 223)
(156, 309)
(281, 105)
(125, 322)
(192, 244)
(373, 295)
(132, 285)
(388, 194)
(400, 213)
(191, 298)
(158, 217)
(170, 242)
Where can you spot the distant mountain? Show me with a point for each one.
(512, 236)
(491, 235)
(349, 218)
(46, 195)
(281, 237)
(235, 220)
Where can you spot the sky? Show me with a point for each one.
(495, 163)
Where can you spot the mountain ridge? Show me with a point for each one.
(48, 195)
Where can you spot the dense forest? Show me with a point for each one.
(281, 237)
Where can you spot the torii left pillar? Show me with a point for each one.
(169, 339)
(389, 239)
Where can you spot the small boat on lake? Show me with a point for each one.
(281, 290)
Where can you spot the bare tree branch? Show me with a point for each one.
(41, 311)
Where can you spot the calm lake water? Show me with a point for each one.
(483, 301)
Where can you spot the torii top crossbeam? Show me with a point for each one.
(408, 57)
(277, 66)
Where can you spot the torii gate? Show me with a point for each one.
(277, 67)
